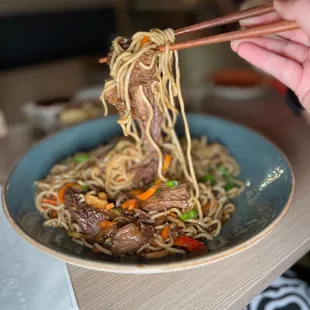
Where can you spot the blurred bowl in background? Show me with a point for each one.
(78, 112)
(51, 115)
(239, 84)
(85, 105)
(89, 93)
(43, 114)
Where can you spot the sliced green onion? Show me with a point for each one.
(80, 158)
(115, 211)
(188, 215)
(228, 178)
(159, 190)
(85, 188)
(229, 185)
(209, 178)
(224, 171)
(172, 183)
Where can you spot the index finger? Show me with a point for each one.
(295, 10)
(297, 36)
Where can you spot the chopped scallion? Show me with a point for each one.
(209, 178)
(172, 183)
(80, 158)
(188, 215)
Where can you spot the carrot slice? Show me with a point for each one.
(167, 161)
(165, 232)
(129, 204)
(173, 214)
(106, 224)
(148, 193)
(50, 201)
(61, 192)
(109, 206)
(157, 182)
(145, 40)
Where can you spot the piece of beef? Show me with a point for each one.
(131, 237)
(120, 198)
(176, 197)
(140, 76)
(105, 233)
(160, 220)
(113, 98)
(83, 214)
(146, 172)
(139, 110)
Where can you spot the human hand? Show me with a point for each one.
(286, 56)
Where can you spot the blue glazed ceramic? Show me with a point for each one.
(259, 209)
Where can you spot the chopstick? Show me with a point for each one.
(278, 27)
(230, 36)
(228, 19)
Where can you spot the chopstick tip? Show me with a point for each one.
(103, 60)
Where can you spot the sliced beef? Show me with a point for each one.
(146, 172)
(131, 237)
(139, 110)
(176, 197)
(113, 98)
(105, 233)
(141, 76)
(120, 198)
(83, 214)
(160, 220)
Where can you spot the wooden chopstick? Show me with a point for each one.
(236, 35)
(231, 18)
(230, 36)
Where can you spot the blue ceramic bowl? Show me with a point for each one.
(259, 209)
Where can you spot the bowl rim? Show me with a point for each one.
(140, 268)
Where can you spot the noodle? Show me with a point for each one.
(208, 169)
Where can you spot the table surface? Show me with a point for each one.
(234, 281)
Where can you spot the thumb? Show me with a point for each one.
(295, 10)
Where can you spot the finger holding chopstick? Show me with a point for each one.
(286, 56)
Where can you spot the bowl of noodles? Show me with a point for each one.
(154, 189)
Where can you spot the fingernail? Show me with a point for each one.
(234, 45)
